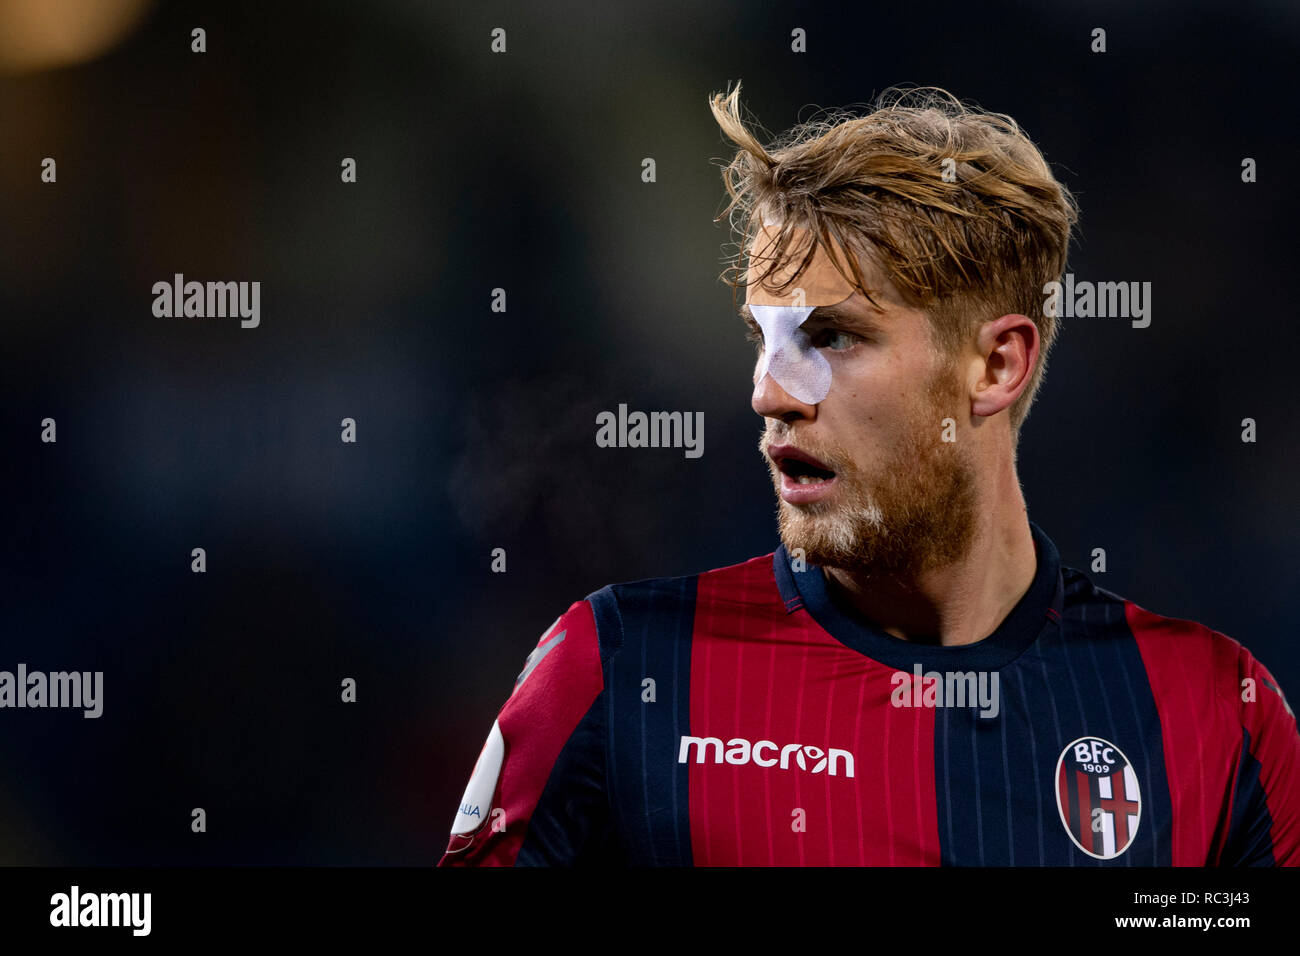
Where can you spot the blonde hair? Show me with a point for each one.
(965, 251)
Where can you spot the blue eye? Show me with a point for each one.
(837, 340)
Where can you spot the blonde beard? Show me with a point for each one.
(913, 514)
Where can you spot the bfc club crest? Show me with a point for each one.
(1098, 797)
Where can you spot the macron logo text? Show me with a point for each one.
(765, 753)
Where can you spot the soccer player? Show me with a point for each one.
(911, 678)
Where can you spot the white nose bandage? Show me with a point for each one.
(788, 353)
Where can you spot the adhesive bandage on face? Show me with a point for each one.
(788, 353)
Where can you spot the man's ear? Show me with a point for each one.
(1006, 355)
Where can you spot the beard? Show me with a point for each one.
(913, 511)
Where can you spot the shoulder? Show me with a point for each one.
(620, 618)
(629, 613)
(1184, 657)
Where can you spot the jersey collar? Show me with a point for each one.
(1040, 606)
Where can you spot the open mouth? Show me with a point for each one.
(804, 473)
(799, 467)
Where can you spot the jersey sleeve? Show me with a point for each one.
(1265, 816)
(537, 793)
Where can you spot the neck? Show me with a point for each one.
(962, 602)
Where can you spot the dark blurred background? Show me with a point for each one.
(475, 430)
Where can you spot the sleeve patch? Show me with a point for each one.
(476, 804)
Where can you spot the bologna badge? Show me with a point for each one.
(1098, 797)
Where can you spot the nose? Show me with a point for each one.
(772, 401)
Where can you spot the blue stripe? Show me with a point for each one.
(650, 789)
(1127, 857)
(946, 777)
(1006, 785)
(1250, 835)
(979, 803)
(1033, 763)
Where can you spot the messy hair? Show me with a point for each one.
(955, 206)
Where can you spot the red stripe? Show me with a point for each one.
(890, 761)
(702, 693)
(1086, 836)
(857, 791)
(758, 673)
(1192, 674)
(828, 734)
(799, 687)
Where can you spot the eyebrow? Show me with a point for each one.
(823, 313)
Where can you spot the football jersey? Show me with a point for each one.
(749, 716)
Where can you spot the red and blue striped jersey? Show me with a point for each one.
(745, 716)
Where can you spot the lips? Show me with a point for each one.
(804, 478)
(798, 460)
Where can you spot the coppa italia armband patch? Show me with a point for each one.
(788, 353)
